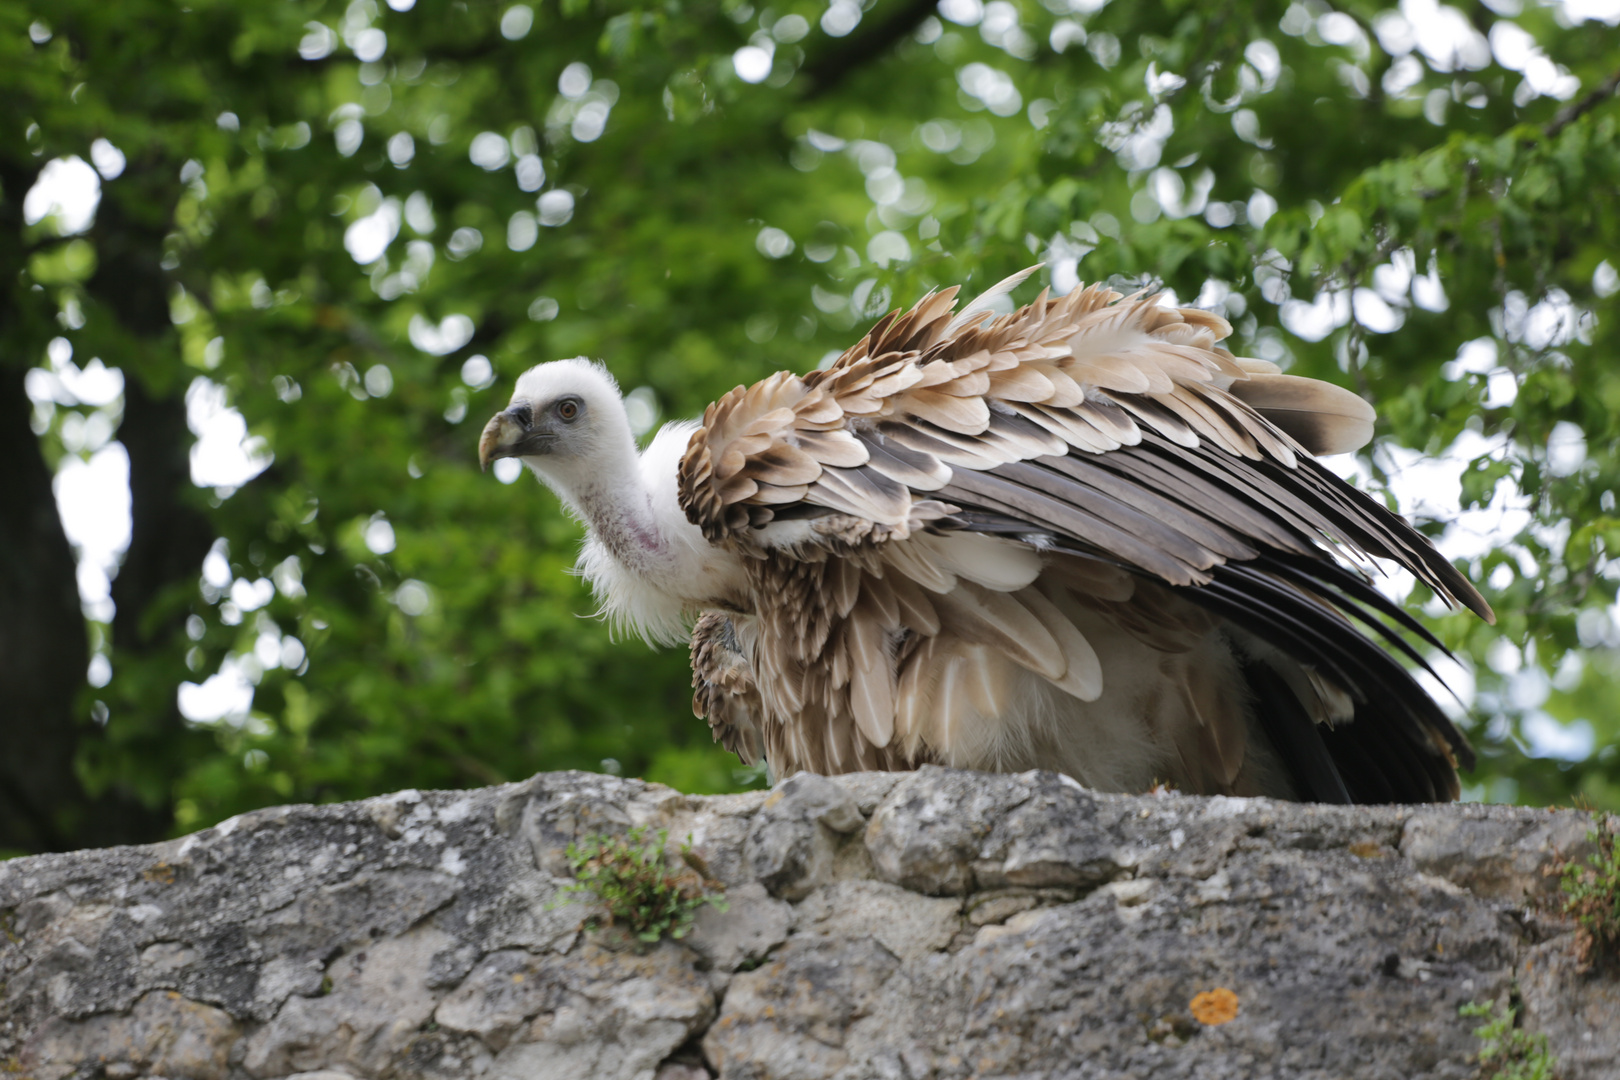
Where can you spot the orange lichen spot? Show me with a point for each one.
(160, 872)
(1215, 1006)
(1367, 849)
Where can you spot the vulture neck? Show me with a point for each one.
(606, 490)
(621, 517)
(650, 567)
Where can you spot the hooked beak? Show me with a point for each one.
(511, 434)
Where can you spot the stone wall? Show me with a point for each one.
(934, 924)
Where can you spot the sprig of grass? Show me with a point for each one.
(630, 875)
(1592, 895)
(1507, 1052)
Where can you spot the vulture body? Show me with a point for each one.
(1081, 536)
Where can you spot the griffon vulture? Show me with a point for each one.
(1081, 536)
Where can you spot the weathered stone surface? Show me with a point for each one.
(1585, 1025)
(1492, 857)
(752, 925)
(790, 1017)
(935, 924)
(902, 922)
(163, 1034)
(925, 836)
(378, 998)
(798, 832)
(612, 1016)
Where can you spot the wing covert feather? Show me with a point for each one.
(1114, 439)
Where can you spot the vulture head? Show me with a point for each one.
(566, 421)
(649, 565)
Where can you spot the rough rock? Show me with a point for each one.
(752, 924)
(934, 924)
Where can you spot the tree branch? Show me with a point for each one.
(1575, 110)
(833, 66)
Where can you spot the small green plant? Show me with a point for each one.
(641, 891)
(1592, 895)
(1508, 1052)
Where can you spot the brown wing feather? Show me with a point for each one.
(1113, 428)
(1324, 418)
(723, 688)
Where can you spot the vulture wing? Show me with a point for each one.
(970, 527)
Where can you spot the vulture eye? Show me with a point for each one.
(568, 409)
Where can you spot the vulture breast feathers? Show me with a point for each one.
(1080, 536)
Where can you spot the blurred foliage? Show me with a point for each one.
(529, 182)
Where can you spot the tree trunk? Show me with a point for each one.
(169, 536)
(43, 645)
(47, 741)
